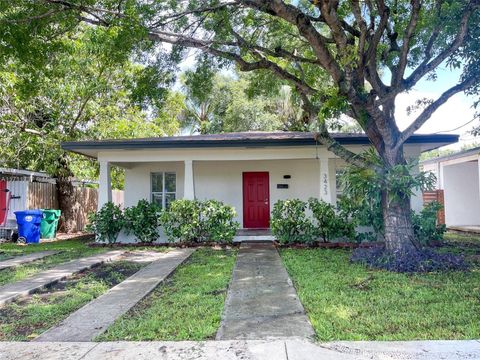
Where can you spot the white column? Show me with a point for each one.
(188, 188)
(325, 186)
(104, 184)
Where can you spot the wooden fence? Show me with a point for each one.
(44, 196)
(438, 196)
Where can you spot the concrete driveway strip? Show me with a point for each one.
(95, 317)
(22, 259)
(261, 301)
(25, 287)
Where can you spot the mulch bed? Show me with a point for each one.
(333, 245)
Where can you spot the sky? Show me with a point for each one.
(450, 117)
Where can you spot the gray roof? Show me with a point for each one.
(242, 139)
(457, 155)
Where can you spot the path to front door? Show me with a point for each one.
(261, 301)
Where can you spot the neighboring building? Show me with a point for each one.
(249, 171)
(458, 176)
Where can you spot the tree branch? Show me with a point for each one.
(430, 109)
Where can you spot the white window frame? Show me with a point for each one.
(163, 192)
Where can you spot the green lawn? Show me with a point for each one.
(350, 302)
(27, 318)
(188, 306)
(69, 249)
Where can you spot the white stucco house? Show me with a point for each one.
(249, 171)
(458, 176)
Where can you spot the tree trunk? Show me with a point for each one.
(399, 235)
(397, 217)
(67, 201)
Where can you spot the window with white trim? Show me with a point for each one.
(164, 188)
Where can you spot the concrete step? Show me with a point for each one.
(243, 238)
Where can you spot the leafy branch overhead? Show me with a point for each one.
(368, 52)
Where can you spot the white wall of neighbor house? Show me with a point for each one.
(462, 193)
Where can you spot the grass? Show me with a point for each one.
(25, 319)
(345, 301)
(188, 306)
(68, 250)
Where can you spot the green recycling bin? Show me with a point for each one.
(49, 224)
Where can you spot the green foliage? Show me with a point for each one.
(330, 223)
(142, 220)
(220, 103)
(199, 221)
(290, 224)
(363, 189)
(425, 224)
(106, 223)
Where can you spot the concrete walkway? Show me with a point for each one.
(25, 287)
(242, 350)
(95, 317)
(261, 301)
(22, 259)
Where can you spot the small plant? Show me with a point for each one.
(142, 220)
(425, 224)
(106, 223)
(199, 221)
(328, 223)
(290, 223)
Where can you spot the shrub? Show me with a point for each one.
(106, 223)
(290, 223)
(219, 223)
(328, 223)
(142, 220)
(181, 221)
(199, 221)
(425, 224)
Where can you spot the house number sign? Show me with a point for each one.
(325, 184)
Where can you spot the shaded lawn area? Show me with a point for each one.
(350, 302)
(187, 306)
(27, 318)
(69, 249)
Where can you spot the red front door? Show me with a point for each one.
(256, 200)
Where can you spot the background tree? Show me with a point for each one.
(332, 52)
(230, 102)
(81, 93)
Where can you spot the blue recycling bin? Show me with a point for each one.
(29, 225)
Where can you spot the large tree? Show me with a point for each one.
(342, 57)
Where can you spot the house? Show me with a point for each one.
(458, 176)
(249, 171)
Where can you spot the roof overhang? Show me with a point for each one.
(242, 140)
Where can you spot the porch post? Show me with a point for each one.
(104, 184)
(188, 188)
(325, 186)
